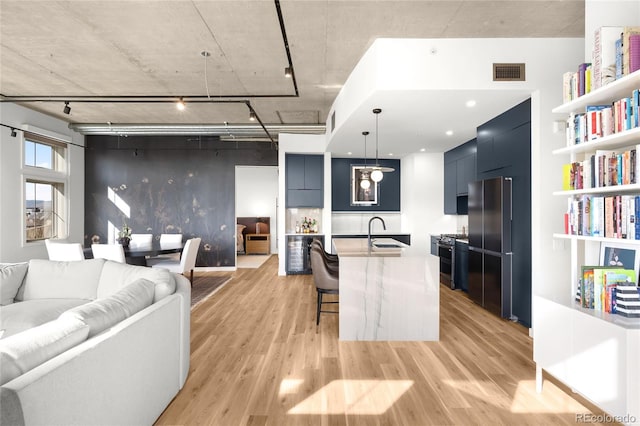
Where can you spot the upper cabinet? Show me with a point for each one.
(304, 177)
(499, 140)
(459, 170)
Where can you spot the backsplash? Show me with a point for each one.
(297, 215)
(358, 223)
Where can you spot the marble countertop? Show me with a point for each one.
(358, 247)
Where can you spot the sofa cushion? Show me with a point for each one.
(21, 316)
(47, 279)
(117, 275)
(24, 351)
(104, 313)
(11, 278)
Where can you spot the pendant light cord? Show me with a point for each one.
(205, 55)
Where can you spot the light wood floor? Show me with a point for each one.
(257, 358)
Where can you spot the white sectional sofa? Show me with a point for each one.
(91, 342)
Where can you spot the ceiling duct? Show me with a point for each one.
(235, 132)
(508, 72)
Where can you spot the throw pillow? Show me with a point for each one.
(18, 317)
(117, 275)
(24, 351)
(11, 278)
(102, 314)
(48, 279)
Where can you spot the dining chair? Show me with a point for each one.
(64, 251)
(169, 239)
(325, 278)
(186, 263)
(141, 239)
(113, 252)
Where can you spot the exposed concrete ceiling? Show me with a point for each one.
(153, 48)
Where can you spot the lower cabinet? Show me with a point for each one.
(298, 259)
(461, 275)
(596, 358)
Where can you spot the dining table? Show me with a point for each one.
(136, 254)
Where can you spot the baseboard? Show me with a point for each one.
(215, 269)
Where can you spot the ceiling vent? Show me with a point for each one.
(508, 72)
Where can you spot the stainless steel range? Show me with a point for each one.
(447, 254)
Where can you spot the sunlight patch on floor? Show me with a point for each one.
(525, 398)
(551, 400)
(288, 386)
(484, 390)
(373, 397)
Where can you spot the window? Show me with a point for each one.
(44, 187)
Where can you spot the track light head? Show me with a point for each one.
(288, 72)
(67, 108)
(252, 116)
(180, 105)
(13, 133)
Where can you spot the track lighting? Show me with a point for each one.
(180, 105)
(67, 108)
(252, 116)
(13, 133)
(288, 72)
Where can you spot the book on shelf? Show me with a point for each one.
(598, 286)
(604, 55)
(627, 33)
(582, 69)
(634, 53)
(618, 45)
(611, 216)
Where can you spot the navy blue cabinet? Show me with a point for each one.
(450, 185)
(459, 170)
(304, 176)
(461, 274)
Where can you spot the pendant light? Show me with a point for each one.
(377, 173)
(365, 183)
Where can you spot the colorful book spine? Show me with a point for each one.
(634, 53)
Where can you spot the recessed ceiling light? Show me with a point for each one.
(422, 149)
(449, 132)
(471, 103)
(349, 153)
(180, 105)
(391, 154)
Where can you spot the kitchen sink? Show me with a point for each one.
(388, 243)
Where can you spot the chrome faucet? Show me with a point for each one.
(371, 220)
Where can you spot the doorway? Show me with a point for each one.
(256, 196)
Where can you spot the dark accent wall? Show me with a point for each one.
(504, 149)
(171, 184)
(389, 187)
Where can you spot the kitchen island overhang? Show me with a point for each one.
(387, 293)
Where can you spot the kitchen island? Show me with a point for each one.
(387, 292)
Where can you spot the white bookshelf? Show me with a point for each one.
(594, 353)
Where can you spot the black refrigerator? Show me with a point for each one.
(490, 256)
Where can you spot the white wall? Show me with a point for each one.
(12, 245)
(257, 195)
(423, 199)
